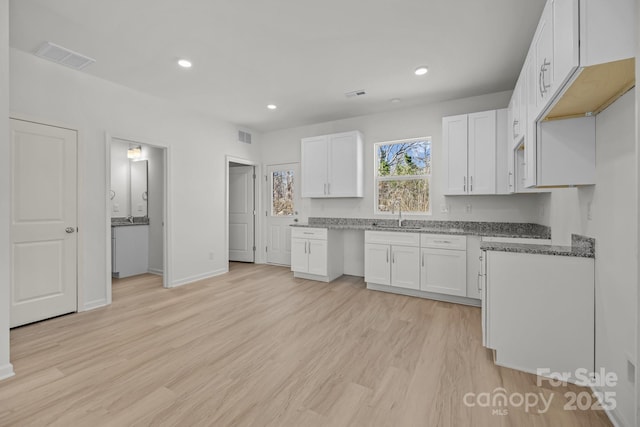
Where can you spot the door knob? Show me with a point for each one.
(69, 230)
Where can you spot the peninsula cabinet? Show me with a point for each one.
(332, 166)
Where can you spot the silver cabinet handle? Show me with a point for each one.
(464, 186)
(387, 255)
(329, 188)
(543, 69)
(479, 282)
(309, 248)
(515, 123)
(442, 241)
(423, 259)
(510, 179)
(305, 247)
(69, 230)
(325, 188)
(471, 184)
(394, 258)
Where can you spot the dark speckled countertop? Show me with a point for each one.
(122, 221)
(492, 229)
(581, 246)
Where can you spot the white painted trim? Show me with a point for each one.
(199, 277)
(92, 305)
(256, 205)
(6, 371)
(156, 271)
(610, 414)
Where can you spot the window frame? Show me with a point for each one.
(377, 179)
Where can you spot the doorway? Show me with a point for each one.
(283, 204)
(242, 212)
(137, 210)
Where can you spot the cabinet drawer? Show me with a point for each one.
(443, 241)
(392, 238)
(309, 233)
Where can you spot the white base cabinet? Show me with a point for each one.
(392, 259)
(443, 266)
(316, 254)
(539, 311)
(129, 250)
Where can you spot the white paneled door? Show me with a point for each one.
(43, 222)
(283, 201)
(241, 213)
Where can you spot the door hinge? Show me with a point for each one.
(266, 248)
(266, 177)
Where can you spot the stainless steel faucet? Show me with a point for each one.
(130, 219)
(398, 203)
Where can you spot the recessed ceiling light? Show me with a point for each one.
(395, 100)
(421, 71)
(184, 63)
(272, 106)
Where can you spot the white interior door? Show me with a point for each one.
(282, 210)
(43, 222)
(241, 213)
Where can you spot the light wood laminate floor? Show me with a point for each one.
(257, 347)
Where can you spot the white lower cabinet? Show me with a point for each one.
(129, 250)
(392, 259)
(443, 267)
(538, 311)
(316, 254)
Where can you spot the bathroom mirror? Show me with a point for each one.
(139, 191)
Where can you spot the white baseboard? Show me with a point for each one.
(92, 305)
(156, 271)
(6, 371)
(197, 278)
(610, 414)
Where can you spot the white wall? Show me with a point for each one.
(614, 225)
(5, 366)
(284, 146)
(197, 145)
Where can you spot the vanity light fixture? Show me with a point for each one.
(184, 63)
(421, 71)
(134, 153)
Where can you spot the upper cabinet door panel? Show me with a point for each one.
(482, 153)
(543, 51)
(314, 166)
(454, 148)
(345, 165)
(566, 47)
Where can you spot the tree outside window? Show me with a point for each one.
(403, 175)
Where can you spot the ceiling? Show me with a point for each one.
(301, 55)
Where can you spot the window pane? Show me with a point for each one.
(412, 195)
(406, 158)
(282, 195)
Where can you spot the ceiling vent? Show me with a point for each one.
(355, 93)
(244, 137)
(63, 56)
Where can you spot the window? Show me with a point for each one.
(282, 193)
(403, 175)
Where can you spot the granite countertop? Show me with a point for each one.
(492, 229)
(122, 221)
(581, 246)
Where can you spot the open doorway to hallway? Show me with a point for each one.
(241, 181)
(137, 206)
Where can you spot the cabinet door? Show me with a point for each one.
(528, 167)
(345, 165)
(314, 167)
(482, 153)
(299, 256)
(454, 148)
(543, 50)
(318, 257)
(377, 267)
(405, 267)
(565, 40)
(444, 271)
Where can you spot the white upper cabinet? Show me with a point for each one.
(543, 54)
(469, 146)
(332, 166)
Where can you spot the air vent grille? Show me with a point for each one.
(64, 56)
(244, 137)
(355, 93)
